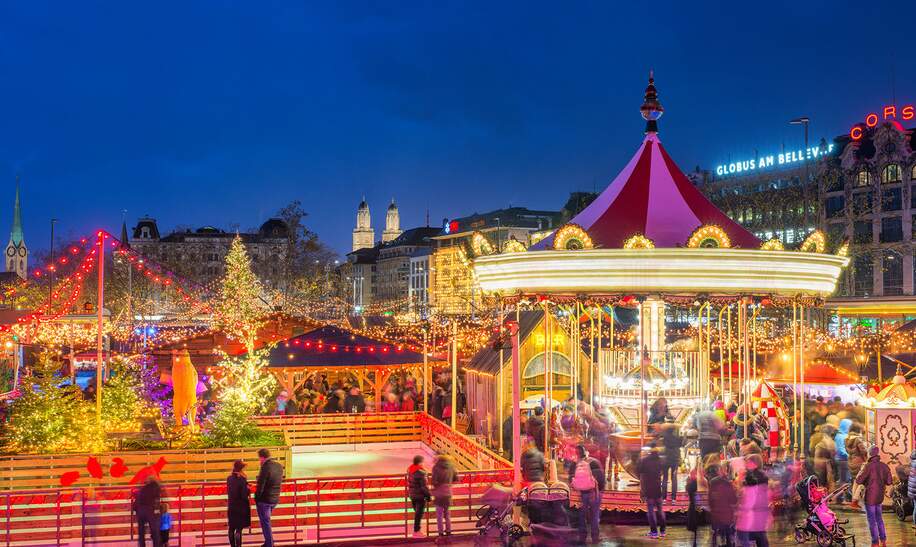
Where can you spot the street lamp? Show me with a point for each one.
(803, 121)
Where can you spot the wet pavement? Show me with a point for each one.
(899, 534)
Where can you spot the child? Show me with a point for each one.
(165, 524)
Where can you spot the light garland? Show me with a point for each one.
(709, 233)
(843, 250)
(514, 246)
(481, 245)
(773, 245)
(572, 237)
(815, 243)
(639, 241)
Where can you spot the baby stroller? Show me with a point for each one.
(903, 505)
(821, 523)
(548, 512)
(495, 515)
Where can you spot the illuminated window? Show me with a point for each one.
(561, 368)
(891, 173)
(913, 173)
(863, 178)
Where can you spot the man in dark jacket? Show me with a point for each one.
(722, 501)
(649, 469)
(535, 428)
(671, 438)
(267, 493)
(147, 508)
(354, 401)
(418, 492)
(590, 488)
(876, 476)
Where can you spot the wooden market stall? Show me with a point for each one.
(334, 351)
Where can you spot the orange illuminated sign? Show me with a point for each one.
(888, 113)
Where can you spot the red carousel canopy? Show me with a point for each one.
(653, 198)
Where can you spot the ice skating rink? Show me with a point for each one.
(358, 460)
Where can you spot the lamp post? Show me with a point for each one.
(803, 121)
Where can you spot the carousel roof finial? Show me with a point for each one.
(651, 109)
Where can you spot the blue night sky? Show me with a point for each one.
(222, 112)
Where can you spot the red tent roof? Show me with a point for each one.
(652, 197)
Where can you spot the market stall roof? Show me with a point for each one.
(487, 358)
(820, 372)
(334, 347)
(652, 197)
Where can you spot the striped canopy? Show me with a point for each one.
(652, 197)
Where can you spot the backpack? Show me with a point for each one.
(583, 479)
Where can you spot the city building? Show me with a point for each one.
(363, 234)
(200, 255)
(17, 253)
(868, 195)
(418, 289)
(392, 223)
(452, 288)
(381, 274)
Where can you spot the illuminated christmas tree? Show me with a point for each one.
(240, 311)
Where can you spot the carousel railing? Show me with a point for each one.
(676, 373)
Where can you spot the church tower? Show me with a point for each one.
(363, 234)
(392, 223)
(17, 254)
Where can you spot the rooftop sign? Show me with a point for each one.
(764, 162)
(889, 113)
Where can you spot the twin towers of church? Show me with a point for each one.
(364, 235)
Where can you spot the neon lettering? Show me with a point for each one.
(906, 113)
(855, 133)
(871, 120)
(890, 112)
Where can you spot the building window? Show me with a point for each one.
(834, 206)
(862, 232)
(891, 173)
(861, 203)
(891, 199)
(892, 273)
(891, 230)
(836, 232)
(863, 275)
(863, 178)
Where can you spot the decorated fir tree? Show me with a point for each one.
(123, 400)
(239, 311)
(49, 416)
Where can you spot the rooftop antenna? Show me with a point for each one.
(427, 217)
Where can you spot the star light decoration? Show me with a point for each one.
(709, 235)
(572, 237)
(638, 241)
(816, 242)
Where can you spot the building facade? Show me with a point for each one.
(452, 287)
(363, 234)
(200, 255)
(868, 197)
(418, 288)
(17, 253)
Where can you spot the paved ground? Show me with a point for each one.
(899, 534)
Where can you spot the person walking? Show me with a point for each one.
(754, 504)
(858, 455)
(267, 492)
(649, 470)
(443, 475)
(709, 432)
(876, 477)
(418, 492)
(147, 506)
(588, 479)
(722, 498)
(911, 484)
(239, 510)
(671, 438)
(841, 458)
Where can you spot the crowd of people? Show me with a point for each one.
(318, 395)
(154, 520)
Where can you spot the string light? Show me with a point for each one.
(572, 237)
(709, 235)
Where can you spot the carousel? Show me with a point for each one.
(653, 243)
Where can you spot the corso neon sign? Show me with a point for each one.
(889, 113)
(762, 162)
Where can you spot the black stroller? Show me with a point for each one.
(548, 512)
(495, 516)
(903, 505)
(821, 523)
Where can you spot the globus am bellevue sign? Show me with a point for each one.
(889, 113)
(762, 162)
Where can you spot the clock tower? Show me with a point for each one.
(17, 254)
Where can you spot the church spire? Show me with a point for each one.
(16, 233)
